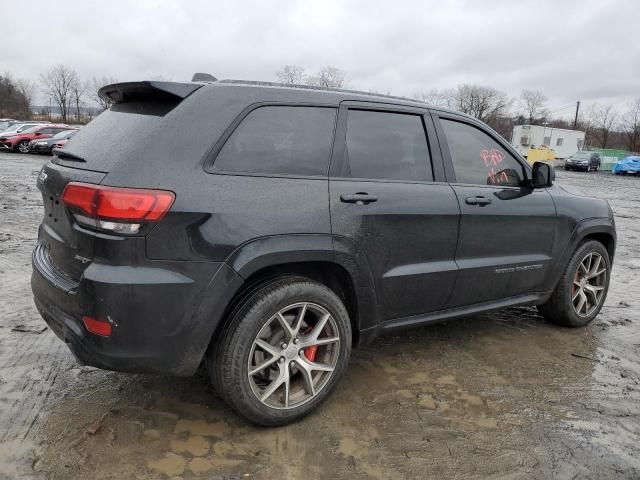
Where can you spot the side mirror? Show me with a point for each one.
(542, 175)
(38, 134)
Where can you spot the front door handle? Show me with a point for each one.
(360, 198)
(480, 201)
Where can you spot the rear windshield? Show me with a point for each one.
(112, 135)
(581, 155)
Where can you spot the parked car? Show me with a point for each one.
(6, 123)
(281, 227)
(18, 127)
(586, 161)
(628, 165)
(60, 143)
(20, 141)
(46, 145)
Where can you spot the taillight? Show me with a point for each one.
(121, 210)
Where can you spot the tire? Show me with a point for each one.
(253, 320)
(23, 146)
(565, 301)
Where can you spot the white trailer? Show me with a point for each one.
(564, 142)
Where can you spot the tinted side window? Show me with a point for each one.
(387, 145)
(478, 158)
(288, 140)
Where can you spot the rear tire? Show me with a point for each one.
(582, 289)
(23, 146)
(269, 373)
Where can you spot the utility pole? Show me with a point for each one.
(575, 120)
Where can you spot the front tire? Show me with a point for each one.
(582, 289)
(285, 347)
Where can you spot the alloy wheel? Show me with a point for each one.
(294, 355)
(23, 147)
(589, 284)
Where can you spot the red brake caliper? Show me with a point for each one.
(310, 352)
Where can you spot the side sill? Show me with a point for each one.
(443, 315)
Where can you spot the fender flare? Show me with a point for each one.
(584, 228)
(275, 250)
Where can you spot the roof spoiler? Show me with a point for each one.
(128, 91)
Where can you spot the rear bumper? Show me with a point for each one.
(163, 314)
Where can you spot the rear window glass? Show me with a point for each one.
(111, 136)
(280, 140)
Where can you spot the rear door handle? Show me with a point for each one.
(360, 198)
(480, 201)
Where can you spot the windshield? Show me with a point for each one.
(62, 134)
(30, 129)
(581, 156)
(13, 128)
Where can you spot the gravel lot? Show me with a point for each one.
(503, 394)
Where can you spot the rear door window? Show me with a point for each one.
(386, 145)
(478, 159)
(280, 140)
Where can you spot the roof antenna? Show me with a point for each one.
(203, 77)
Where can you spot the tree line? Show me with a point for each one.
(605, 126)
(63, 87)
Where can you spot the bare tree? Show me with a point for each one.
(95, 85)
(329, 77)
(601, 120)
(291, 75)
(58, 82)
(484, 103)
(631, 125)
(26, 90)
(78, 92)
(533, 104)
(437, 98)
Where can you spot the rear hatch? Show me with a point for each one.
(65, 249)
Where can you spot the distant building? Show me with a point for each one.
(564, 142)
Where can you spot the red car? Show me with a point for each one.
(20, 141)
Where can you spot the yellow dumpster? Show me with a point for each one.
(541, 154)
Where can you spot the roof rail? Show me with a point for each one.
(319, 88)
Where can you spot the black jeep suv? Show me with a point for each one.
(266, 230)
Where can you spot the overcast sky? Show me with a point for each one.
(570, 49)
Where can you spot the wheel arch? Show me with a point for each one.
(311, 256)
(600, 229)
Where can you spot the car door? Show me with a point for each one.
(391, 208)
(507, 228)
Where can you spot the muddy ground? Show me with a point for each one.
(505, 394)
